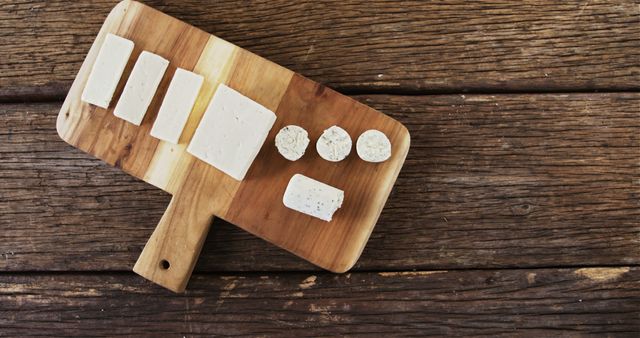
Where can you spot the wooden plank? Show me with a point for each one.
(360, 46)
(537, 303)
(490, 181)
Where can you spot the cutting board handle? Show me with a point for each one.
(172, 251)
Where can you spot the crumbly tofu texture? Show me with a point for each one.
(141, 87)
(312, 197)
(373, 146)
(176, 105)
(107, 70)
(334, 144)
(231, 132)
(292, 142)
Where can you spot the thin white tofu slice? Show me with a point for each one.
(334, 144)
(107, 70)
(141, 87)
(312, 197)
(292, 141)
(231, 132)
(176, 106)
(373, 146)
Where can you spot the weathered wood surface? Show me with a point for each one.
(536, 303)
(507, 181)
(490, 181)
(359, 46)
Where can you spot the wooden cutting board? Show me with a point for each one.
(199, 190)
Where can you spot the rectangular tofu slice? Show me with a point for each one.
(231, 132)
(107, 70)
(176, 106)
(312, 197)
(141, 87)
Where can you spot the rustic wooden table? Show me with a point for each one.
(517, 212)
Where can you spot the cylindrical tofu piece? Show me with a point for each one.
(292, 142)
(334, 144)
(373, 146)
(312, 197)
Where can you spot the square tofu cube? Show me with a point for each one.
(231, 132)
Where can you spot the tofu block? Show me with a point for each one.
(176, 106)
(231, 132)
(141, 87)
(107, 70)
(312, 197)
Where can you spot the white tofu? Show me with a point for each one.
(141, 87)
(176, 105)
(231, 132)
(107, 70)
(292, 142)
(334, 144)
(373, 146)
(312, 197)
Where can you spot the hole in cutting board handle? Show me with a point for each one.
(171, 252)
(164, 264)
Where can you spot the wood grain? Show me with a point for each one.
(200, 191)
(533, 303)
(413, 46)
(334, 245)
(490, 181)
(503, 181)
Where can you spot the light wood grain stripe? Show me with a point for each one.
(168, 166)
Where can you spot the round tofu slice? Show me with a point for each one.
(292, 142)
(373, 146)
(334, 144)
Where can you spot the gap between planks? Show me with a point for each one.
(382, 272)
(54, 98)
